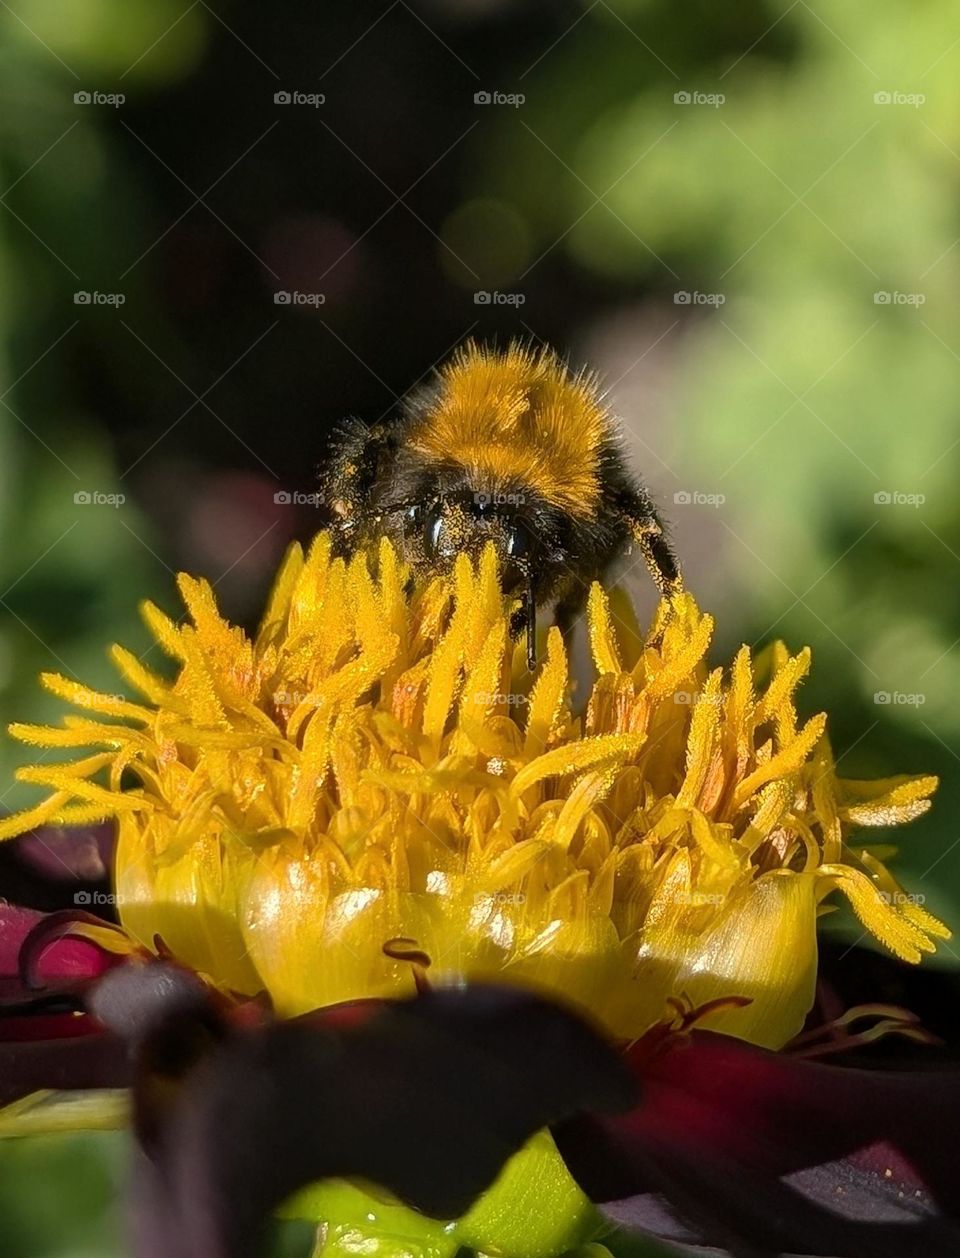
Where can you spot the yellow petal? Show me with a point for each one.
(760, 942)
(889, 802)
(603, 642)
(547, 696)
(895, 931)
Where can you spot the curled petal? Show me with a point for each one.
(755, 1149)
(70, 944)
(42, 941)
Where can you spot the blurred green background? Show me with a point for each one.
(746, 217)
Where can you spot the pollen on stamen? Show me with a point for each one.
(350, 775)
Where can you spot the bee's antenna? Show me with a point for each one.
(530, 619)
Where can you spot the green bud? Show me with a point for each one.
(533, 1210)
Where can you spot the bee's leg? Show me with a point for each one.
(523, 621)
(659, 558)
(353, 459)
(530, 622)
(647, 531)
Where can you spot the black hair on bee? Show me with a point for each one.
(507, 447)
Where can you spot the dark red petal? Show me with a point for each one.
(736, 1138)
(84, 1057)
(831, 1210)
(44, 971)
(63, 959)
(84, 1034)
(15, 924)
(56, 948)
(47, 1040)
(426, 1097)
(58, 867)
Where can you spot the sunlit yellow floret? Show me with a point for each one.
(377, 763)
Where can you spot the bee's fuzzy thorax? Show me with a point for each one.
(519, 416)
(509, 447)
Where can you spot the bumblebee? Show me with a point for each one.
(508, 447)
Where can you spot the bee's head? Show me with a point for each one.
(467, 520)
(463, 521)
(436, 514)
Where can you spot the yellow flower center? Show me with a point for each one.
(377, 763)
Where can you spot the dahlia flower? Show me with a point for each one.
(442, 953)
